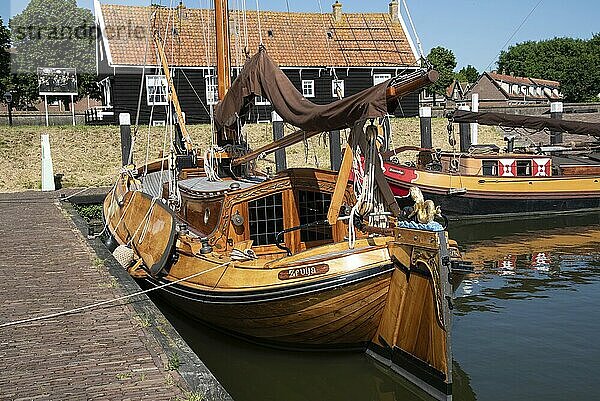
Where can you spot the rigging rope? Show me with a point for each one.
(412, 26)
(110, 301)
(514, 33)
(139, 107)
(259, 26)
(328, 46)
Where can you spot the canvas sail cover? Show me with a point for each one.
(262, 77)
(529, 122)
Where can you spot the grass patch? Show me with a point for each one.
(90, 156)
(174, 363)
(113, 283)
(89, 212)
(123, 376)
(143, 320)
(191, 396)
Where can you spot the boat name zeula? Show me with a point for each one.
(300, 272)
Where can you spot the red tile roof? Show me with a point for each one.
(292, 39)
(510, 79)
(545, 82)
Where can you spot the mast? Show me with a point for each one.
(172, 93)
(223, 57)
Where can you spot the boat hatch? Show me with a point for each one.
(201, 185)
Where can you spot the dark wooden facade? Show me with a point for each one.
(124, 84)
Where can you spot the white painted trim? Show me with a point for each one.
(391, 67)
(312, 87)
(100, 21)
(407, 34)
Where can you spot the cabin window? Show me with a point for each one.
(312, 207)
(490, 167)
(379, 78)
(337, 88)
(308, 88)
(156, 88)
(212, 90)
(265, 219)
(261, 101)
(523, 168)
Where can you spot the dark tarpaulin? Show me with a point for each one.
(262, 77)
(529, 122)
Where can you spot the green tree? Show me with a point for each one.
(444, 62)
(4, 56)
(575, 63)
(52, 33)
(467, 74)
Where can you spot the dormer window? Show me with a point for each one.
(270, 33)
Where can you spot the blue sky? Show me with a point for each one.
(474, 30)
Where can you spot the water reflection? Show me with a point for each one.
(526, 320)
(253, 372)
(525, 328)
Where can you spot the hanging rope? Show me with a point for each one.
(259, 25)
(110, 301)
(325, 32)
(414, 30)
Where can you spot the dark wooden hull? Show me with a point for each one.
(332, 313)
(472, 196)
(465, 205)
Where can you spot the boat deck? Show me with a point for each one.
(124, 350)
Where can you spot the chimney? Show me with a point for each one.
(394, 14)
(337, 11)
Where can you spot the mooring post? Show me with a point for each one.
(556, 110)
(425, 123)
(280, 161)
(125, 125)
(335, 150)
(465, 133)
(475, 126)
(387, 133)
(47, 168)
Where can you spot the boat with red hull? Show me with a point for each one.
(487, 182)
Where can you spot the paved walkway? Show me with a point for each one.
(47, 266)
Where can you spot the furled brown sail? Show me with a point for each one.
(262, 77)
(530, 122)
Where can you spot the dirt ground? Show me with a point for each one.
(91, 156)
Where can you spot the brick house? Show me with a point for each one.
(502, 90)
(322, 54)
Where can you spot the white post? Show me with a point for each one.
(47, 169)
(73, 109)
(474, 126)
(46, 106)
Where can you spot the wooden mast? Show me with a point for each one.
(223, 61)
(223, 58)
(172, 93)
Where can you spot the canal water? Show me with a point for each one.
(526, 326)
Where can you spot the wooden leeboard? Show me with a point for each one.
(147, 226)
(340, 186)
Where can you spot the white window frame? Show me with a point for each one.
(308, 88)
(261, 101)
(334, 83)
(152, 96)
(211, 90)
(379, 78)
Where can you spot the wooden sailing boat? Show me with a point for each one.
(267, 258)
(486, 182)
